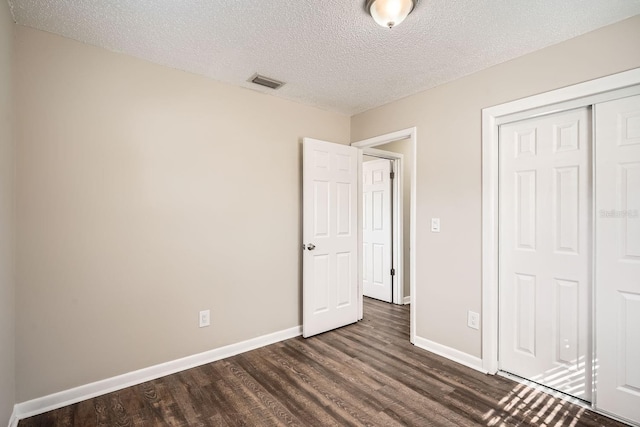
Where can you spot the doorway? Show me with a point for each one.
(378, 244)
(398, 147)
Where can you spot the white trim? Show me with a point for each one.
(398, 232)
(579, 95)
(382, 153)
(592, 338)
(68, 397)
(407, 300)
(489, 245)
(13, 420)
(398, 135)
(457, 356)
(570, 93)
(412, 135)
(360, 237)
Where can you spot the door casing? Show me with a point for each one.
(366, 146)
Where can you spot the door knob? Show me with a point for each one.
(311, 246)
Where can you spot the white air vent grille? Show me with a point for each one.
(266, 81)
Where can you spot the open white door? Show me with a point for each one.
(330, 238)
(376, 230)
(618, 257)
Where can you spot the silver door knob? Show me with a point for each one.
(311, 246)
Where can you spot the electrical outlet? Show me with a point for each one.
(205, 318)
(473, 320)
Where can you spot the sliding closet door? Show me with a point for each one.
(617, 242)
(545, 251)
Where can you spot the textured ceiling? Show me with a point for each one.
(330, 53)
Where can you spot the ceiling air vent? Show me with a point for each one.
(266, 81)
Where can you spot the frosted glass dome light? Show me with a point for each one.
(389, 13)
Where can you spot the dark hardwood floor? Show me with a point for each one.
(367, 374)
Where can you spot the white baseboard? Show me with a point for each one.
(450, 353)
(407, 300)
(98, 388)
(13, 420)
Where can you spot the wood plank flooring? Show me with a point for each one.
(367, 374)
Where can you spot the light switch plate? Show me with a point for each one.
(435, 225)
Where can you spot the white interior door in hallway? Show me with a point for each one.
(330, 236)
(545, 251)
(617, 242)
(377, 230)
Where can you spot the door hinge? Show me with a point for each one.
(393, 175)
(393, 271)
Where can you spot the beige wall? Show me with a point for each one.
(404, 147)
(448, 119)
(146, 194)
(7, 218)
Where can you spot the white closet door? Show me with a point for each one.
(617, 278)
(545, 224)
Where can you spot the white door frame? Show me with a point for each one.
(580, 95)
(411, 135)
(397, 201)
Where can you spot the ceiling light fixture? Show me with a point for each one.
(389, 13)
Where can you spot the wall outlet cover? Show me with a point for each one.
(205, 318)
(473, 320)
